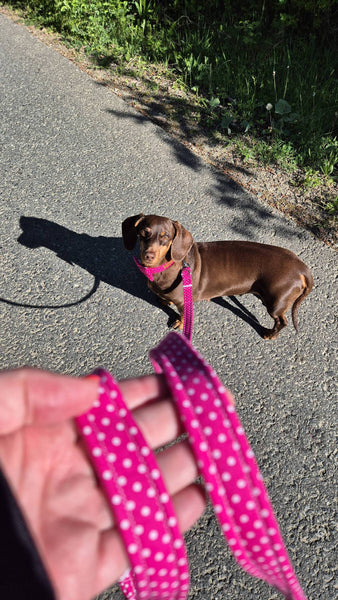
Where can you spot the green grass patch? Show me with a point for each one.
(262, 69)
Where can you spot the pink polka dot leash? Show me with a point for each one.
(141, 506)
(187, 290)
(142, 509)
(227, 464)
(188, 301)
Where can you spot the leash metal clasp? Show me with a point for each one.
(187, 281)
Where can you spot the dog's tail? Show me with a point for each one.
(307, 278)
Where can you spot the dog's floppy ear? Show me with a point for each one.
(129, 233)
(182, 242)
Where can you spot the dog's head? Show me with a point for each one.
(160, 238)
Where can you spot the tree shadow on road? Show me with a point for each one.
(107, 260)
(249, 218)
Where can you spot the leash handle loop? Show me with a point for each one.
(128, 472)
(227, 464)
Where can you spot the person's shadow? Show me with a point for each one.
(107, 260)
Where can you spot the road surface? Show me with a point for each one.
(76, 161)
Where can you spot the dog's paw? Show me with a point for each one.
(178, 324)
(269, 334)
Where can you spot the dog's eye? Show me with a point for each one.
(164, 235)
(145, 233)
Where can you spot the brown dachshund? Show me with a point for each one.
(277, 276)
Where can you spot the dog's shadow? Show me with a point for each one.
(103, 257)
(107, 260)
(238, 309)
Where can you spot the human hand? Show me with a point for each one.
(44, 461)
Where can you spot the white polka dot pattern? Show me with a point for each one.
(227, 464)
(138, 498)
(130, 476)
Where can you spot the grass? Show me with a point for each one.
(264, 82)
(236, 65)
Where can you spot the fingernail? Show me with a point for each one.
(94, 377)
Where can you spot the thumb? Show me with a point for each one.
(30, 396)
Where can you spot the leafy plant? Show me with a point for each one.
(311, 179)
(282, 115)
(332, 207)
(330, 157)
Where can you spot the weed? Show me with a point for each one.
(311, 179)
(280, 116)
(332, 207)
(276, 152)
(330, 157)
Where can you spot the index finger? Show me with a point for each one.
(30, 396)
(144, 389)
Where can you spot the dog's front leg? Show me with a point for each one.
(178, 324)
(165, 302)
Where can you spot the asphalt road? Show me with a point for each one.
(75, 162)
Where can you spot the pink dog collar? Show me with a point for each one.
(128, 472)
(149, 271)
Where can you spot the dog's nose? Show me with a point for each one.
(149, 255)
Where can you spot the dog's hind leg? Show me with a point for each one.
(280, 322)
(277, 306)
